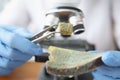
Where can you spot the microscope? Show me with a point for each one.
(67, 19)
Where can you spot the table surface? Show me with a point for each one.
(28, 71)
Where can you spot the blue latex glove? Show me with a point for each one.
(111, 68)
(15, 49)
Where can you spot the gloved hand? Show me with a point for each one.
(15, 48)
(111, 68)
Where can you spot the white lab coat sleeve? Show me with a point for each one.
(116, 19)
(15, 13)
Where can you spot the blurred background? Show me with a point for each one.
(3, 3)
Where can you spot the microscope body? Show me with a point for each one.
(66, 13)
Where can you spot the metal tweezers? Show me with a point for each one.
(40, 37)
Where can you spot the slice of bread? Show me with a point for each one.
(66, 62)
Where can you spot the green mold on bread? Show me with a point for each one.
(66, 62)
